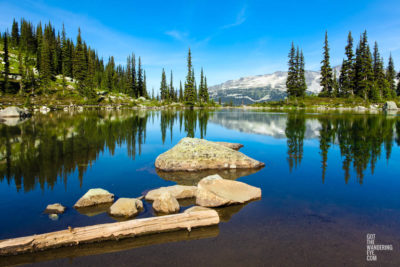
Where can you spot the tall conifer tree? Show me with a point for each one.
(292, 73)
(390, 76)
(189, 83)
(6, 63)
(326, 71)
(346, 79)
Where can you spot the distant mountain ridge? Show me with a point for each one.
(261, 88)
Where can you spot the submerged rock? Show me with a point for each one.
(14, 112)
(390, 105)
(53, 217)
(56, 208)
(193, 154)
(177, 191)
(126, 207)
(94, 197)
(234, 146)
(213, 191)
(166, 203)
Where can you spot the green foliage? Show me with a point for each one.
(190, 94)
(296, 80)
(326, 71)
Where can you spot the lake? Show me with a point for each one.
(328, 181)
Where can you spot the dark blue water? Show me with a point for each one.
(329, 180)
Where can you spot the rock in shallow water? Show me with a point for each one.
(193, 154)
(55, 208)
(126, 207)
(166, 203)
(213, 191)
(177, 191)
(94, 197)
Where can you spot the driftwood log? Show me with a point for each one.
(109, 231)
(111, 246)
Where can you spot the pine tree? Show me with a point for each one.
(15, 34)
(205, 93)
(335, 84)
(380, 87)
(6, 63)
(39, 40)
(80, 67)
(134, 89)
(140, 79)
(302, 85)
(164, 86)
(144, 84)
(346, 79)
(180, 92)
(326, 71)
(363, 68)
(201, 87)
(171, 92)
(189, 83)
(390, 77)
(128, 81)
(292, 73)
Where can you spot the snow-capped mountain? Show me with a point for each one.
(260, 88)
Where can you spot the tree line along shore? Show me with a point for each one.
(42, 66)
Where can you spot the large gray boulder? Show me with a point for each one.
(94, 197)
(193, 154)
(166, 203)
(213, 191)
(126, 207)
(14, 112)
(390, 105)
(177, 191)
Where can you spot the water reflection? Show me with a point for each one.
(38, 151)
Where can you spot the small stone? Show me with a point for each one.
(126, 207)
(94, 197)
(53, 217)
(56, 208)
(166, 204)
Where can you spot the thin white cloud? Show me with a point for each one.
(240, 19)
(178, 35)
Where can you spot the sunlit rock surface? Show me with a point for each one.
(213, 191)
(126, 207)
(177, 191)
(192, 154)
(94, 197)
(166, 203)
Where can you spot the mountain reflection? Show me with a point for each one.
(38, 151)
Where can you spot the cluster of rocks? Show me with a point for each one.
(190, 154)
(212, 191)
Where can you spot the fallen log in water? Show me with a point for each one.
(109, 231)
(111, 246)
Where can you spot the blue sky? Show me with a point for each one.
(229, 39)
